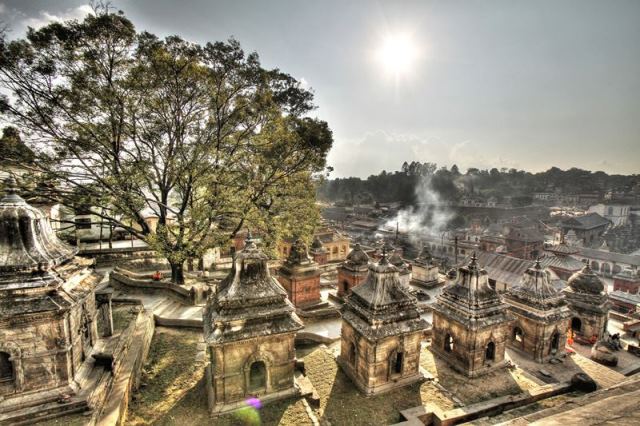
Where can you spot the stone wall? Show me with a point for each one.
(303, 291)
(537, 336)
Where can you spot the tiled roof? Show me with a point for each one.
(588, 221)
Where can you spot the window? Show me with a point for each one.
(257, 376)
(448, 343)
(6, 367)
(83, 223)
(518, 334)
(352, 353)
(397, 365)
(490, 352)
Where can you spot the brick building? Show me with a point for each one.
(300, 276)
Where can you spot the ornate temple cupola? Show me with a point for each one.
(353, 270)
(542, 316)
(300, 276)
(48, 319)
(249, 328)
(318, 252)
(586, 295)
(29, 249)
(381, 332)
(470, 323)
(561, 260)
(425, 272)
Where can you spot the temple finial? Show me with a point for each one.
(11, 185)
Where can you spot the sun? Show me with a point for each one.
(397, 54)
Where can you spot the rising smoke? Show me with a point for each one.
(429, 217)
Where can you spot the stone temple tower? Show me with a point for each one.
(588, 301)
(353, 271)
(542, 316)
(471, 325)
(249, 329)
(48, 319)
(381, 332)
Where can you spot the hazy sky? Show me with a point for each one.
(526, 84)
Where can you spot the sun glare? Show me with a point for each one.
(397, 54)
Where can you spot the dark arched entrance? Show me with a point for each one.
(576, 324)
(490, 352)
(555, 342)
(6, 367)
(448, 343)
(257, 376)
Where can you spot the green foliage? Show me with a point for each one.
(200, 136)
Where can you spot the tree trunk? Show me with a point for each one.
(177, 273)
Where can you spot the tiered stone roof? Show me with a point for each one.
(316, 245)
(298, 263)
(249, 303)
(424, 257)
(381, 307)
(536, 296)
(586, 282)
(357, 260)
(470, 300)
(585, 290)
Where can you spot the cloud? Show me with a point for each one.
(43, 18)
(380, 150)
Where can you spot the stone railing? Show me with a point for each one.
(140, 281)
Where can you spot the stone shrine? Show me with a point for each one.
(48, 318)
(404, 273)
(425, 271)
(381, 332)
(471, 324)
(300, 276)
(249, 329)
(542, 316)
(589, 304)
(353, 271)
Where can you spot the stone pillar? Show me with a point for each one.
(105, 313)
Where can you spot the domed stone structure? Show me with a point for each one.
(381, 332)
(471, 324)
(542, 316)
(249, 329)
(425, 271)
(300, 276)
(353, 271)
(589, 304)
(48, 316)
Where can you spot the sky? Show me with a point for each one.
(500, 83)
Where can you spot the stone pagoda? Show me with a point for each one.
(249, 329)
(300, 276)
(471, 324)
(542, 316)
(318, 252)
(589, 304)
(48, 319)
(381, 332)
(425, 272)
(353, 271)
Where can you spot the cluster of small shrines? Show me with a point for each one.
(51, 316)
(251, 324)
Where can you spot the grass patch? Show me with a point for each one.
(175, 392)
